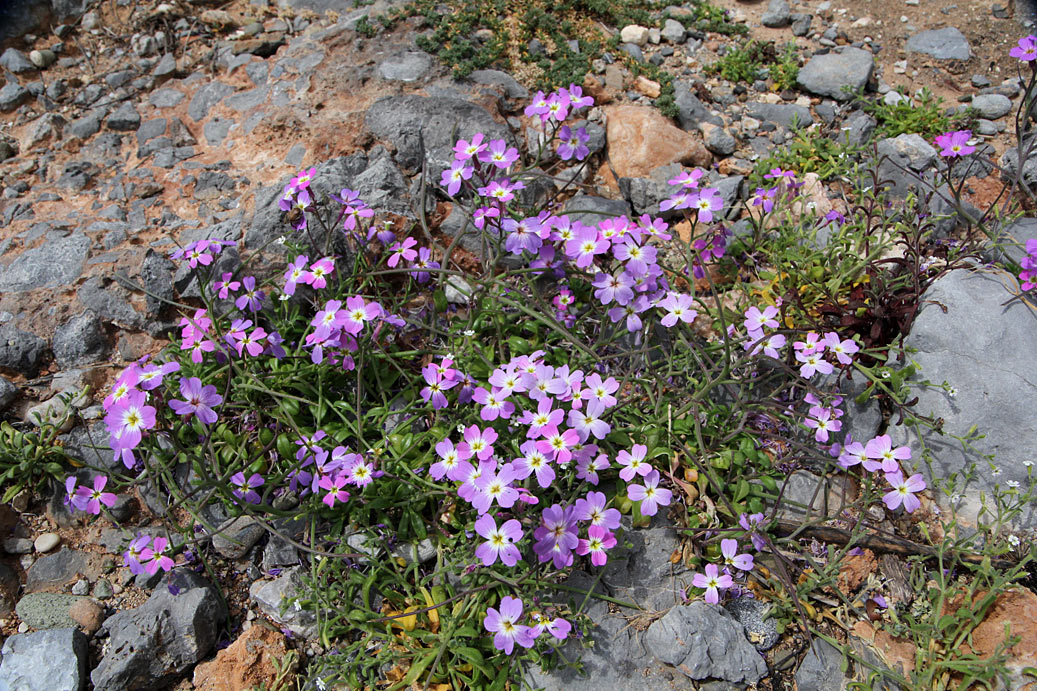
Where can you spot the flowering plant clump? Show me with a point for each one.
(458, 453)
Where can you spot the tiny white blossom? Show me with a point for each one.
(1027, 463)
(469, 332)
(1012, 483)
(1013, 540)
(283, 297)
(281, 240)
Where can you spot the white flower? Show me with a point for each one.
(469, 332)
(281, 240)
(1012, 483)
(952, 392)
(1027, 463)
(995, 471)
(283, 297)
(1013, 540)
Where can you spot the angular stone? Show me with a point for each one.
(165, 98)
(55, 569)
(15, 61)
(125, 119)
(837, 75)
(54, 660)
(761, 630)
(13, 95)
(270, 595)
(88, 125)
(8, 394)
(153, 644)
(206, 97)
(690, 110)
(640, 139)
(992, 106)
(430, 125)
(947, 43)
(703, 642)
(20, 351)
(236, 537)
(970, 335)
(777, 15)
(57, 262)
(821, 669)
(787, 115)
(406, 67)
(80, 341)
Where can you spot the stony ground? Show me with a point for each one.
(128, 126)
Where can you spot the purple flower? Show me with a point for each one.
(128, 419)
(156, 557)
(751, 524)
(592, 509)
(557, 536)
(729, 548)
(499, 154)
(598, 542)
(199, 400)
(903, 491)
(881, 454)
(134, 554)
(457, 173)
(251, 299)
(633, 462)
(499, 542)
(495, 486)
(90, 500)
(296, 272)
(246, 489)
(955, 143)
(650, 494)
(573, 143)
(150, 376)
(504, 624)
(225, 286)
(713, 582)
(709, 200)
(1026, 50)
(678, 307)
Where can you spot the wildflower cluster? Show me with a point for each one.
(1028, 275)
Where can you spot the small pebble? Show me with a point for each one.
(81, 587)
(87, 614)
(103, 589)
(23, 628)
(17, 545)
(46, 542)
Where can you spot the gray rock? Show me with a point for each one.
(801, 24)
(943, 44)
(57, 262)
(1011, 241)
(55, 569)
(512, 89)
(690, 110)
(80, 341)
(406, 67)
(279, 553)
(642, 573)
(206, 97)
(906, 161)
(156, 273)
(787, 115)
(150, 129)
(166, 66)
(857, 129)
(272, 596)
(153, 644)
(992, 106)
(645, 194)
(103, 589)
(166, 98)
(8, 394)
(837, 75)
(777, 14)
(429, 126)
(20, 351)
(46, 610)
(236, 537)
(720, 141)
(216, 130)
(1010, 161)
(761, 630)
(247, 100)
(42, 59)
(633, 50)
(18, 545)
(125, 119)
(89, 445)
(13, 95)
(703, 642)
(673, 31)
(54, 660)
(384, 188)
(15, 61)
(963, 319)
(591, 210)
(110, 302)
(86, 126)
(821, 669)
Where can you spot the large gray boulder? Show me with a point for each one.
(53, 660)
(837, 75)
(153, 644)
(970, 334)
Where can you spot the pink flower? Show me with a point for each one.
(478, 442)
(157, 557)
(558, 445)
(713, 582)
(449, 459)
(729, 548)
(302, 180)
(90, 500)
(955, 143)
(499, 542)
(1026, 50)
(678, 307)
(843, 349)
(334, 488)
(493, 404)
(903, 491)
(495, 486)
(151, 375)
(650, 494)
(464, 151)
(499, 154)
(881, 454)
(557, 536)
(128, 419)
(452, 177)
(317, 276)
(585, 246)
(598, 541)
(633, 462)
(592, 509)
(755, 320)
(709, 200)
(402, 251)
(199, 400)
(505, 627)
(534, 462)
(821, 421)
(813, 363)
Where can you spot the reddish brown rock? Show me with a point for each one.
(246, 663)
(1018, 610)
(640, 139)
(87, 614)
